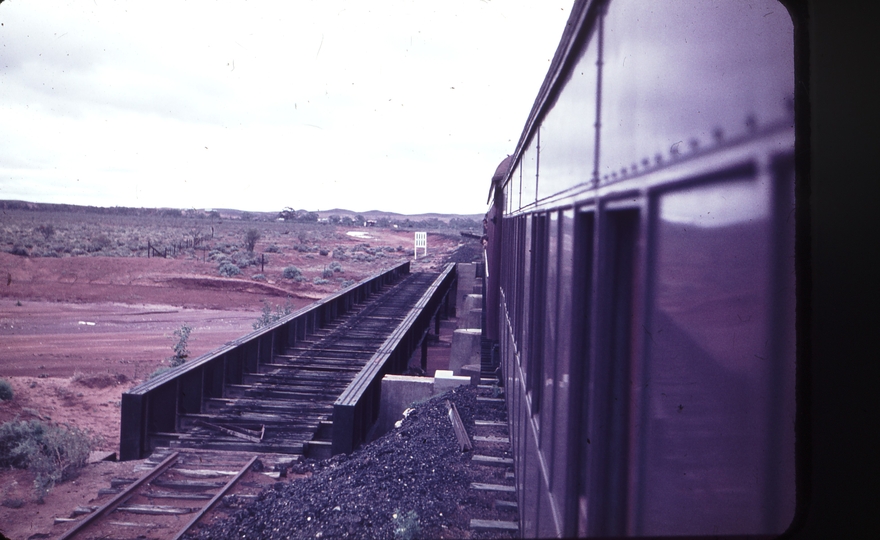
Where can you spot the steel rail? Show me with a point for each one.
(122, 497)
(357, 407)
(220, 494)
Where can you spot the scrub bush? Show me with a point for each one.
(250, 239)
(6, 392)
(267, 316)
(228, 269)
(181, 351)
(55, 453)
(291, 272)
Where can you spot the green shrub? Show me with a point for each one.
(46, 230)
(320, 281)
(243, 260)
(228, 269)
(250, 239)
(336, 267)
(291, 272)
(268, 317)
(6, 392)
(159, 370)
(55, 453)
(102, 241)
(20, 251)
(181, 352)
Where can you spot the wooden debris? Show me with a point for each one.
(505, 505)
(494, 524)
(464, 442)
(83, 510)
(193, 485)
(491, 460)
(241, 433)
(119, 482)
(492, 439)
(155, 510)
(134, 524)
(490, 423)
(177, 495)
(492, 487)
(203, 473)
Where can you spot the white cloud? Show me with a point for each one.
(399, 105)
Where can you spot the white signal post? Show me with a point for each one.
(421, 242)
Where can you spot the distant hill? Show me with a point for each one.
(228, 213)
(374, 214)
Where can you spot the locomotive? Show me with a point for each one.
(640, 275)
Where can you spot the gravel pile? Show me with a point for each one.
(471, 250)
(411, 483)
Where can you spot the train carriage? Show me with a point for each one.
(641, 278)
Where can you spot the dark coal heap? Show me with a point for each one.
(412, 482)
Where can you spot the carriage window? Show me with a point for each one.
(550, 328)
(538, 288)
(731, 63)
(521, 293)
(529, 173)
(708, 398)
(568, 132)
(582, 302)
(610, 372)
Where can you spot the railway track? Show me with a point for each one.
(272, 417)
(172, 495)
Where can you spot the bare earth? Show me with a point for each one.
(75, 332)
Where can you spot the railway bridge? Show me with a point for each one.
(306, 385)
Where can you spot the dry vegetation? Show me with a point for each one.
(245, 246)
(86, 314)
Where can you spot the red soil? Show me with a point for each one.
(66, 323)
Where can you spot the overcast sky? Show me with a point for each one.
(398, 105)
